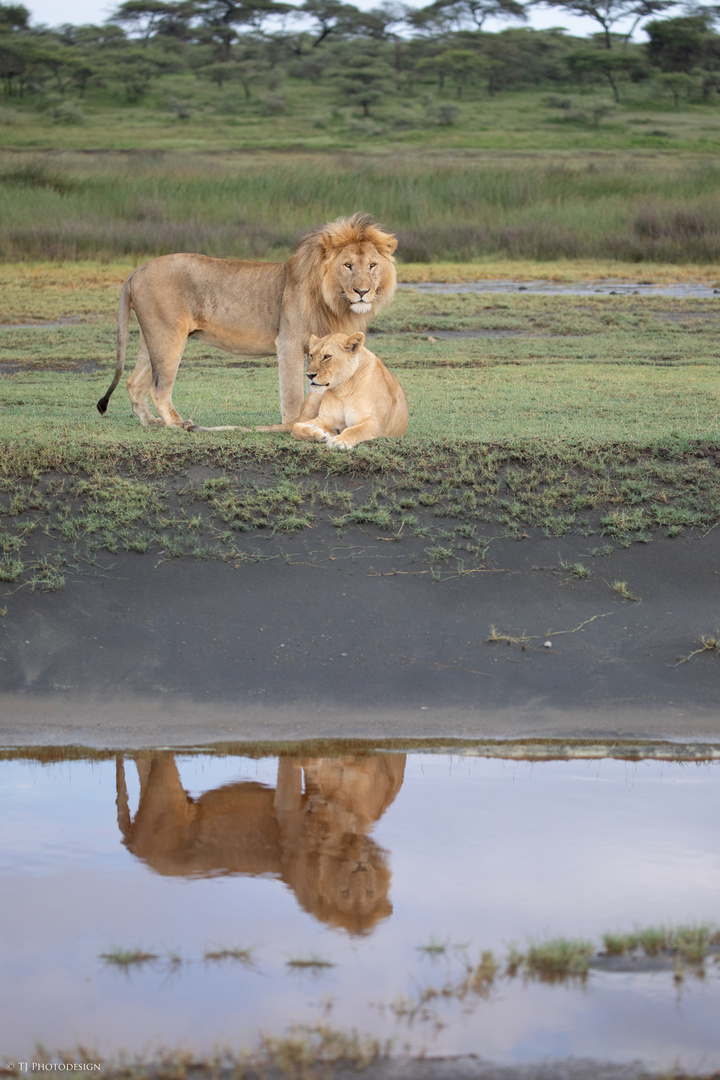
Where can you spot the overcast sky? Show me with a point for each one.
(77, 12)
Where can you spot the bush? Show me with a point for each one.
(67, 112)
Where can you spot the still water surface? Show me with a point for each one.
(359, 862)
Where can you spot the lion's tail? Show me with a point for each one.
(123, 322)
(275, 427)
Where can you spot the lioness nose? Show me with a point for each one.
(311, 375)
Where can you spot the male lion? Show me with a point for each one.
(353, 396)
(339, 275)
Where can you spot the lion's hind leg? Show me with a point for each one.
(138, 387)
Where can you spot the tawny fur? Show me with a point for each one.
(353, 397)
(339, 276)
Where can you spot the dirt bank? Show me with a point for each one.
(365, 641)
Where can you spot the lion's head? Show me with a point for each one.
(333, 358)
(349, 265)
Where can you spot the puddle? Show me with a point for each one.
(359, 891)
(606, 287)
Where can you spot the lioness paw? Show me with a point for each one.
(335, 442)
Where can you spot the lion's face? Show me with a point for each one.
(358, 275)
(333, 359)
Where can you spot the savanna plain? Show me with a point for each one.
(531, 572)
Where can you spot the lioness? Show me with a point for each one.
(353, 396)
(339, 275)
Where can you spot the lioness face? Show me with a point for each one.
(333, 359)
(357, 273)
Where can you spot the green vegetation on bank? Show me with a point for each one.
(598, 415)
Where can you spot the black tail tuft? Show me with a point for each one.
(103, 404)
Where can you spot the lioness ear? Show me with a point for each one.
(354, 342)
(312, 341)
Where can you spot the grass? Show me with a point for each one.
(706, 643)
(597, 415)
(692, 942)
(621, 588)
(554, 960)
(310, 118)
(235, 953)
(128, 959)
(551, 204)
(309, 963)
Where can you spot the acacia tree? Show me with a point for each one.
(608, 13)
(612, 66)
(445, 15)
(14, 24)
(149, 18)
(219, 19)
(363, 77)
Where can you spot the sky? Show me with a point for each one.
(77, 12)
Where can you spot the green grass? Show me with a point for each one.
(571, 202)
(222, 120)
(598, 415)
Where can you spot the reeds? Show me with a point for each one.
(543, 207)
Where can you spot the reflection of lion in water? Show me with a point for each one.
(317, 841)
(339, 275)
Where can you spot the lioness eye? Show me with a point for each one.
(326, 356)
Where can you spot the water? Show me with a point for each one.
(604, 287)
(361, 863)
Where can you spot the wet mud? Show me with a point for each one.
(362, 641)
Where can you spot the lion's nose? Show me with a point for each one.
(361, 293)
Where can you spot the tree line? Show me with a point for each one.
(364, 55)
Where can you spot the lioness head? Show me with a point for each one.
(354, 257)
(333, 358)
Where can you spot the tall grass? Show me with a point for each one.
(541, 207)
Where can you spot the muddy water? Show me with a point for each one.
(603, 287)
(358, 863)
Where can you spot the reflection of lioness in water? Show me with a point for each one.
(315, 840)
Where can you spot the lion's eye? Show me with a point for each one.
(373, 265)
(349, 266)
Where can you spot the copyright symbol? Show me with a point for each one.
(10, 1067)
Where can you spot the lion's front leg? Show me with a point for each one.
(291, 371)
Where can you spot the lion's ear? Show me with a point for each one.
(387, 244)
(354, 342)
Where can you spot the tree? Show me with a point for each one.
(610, 12)
(363, 76)
(462, 65)
(678, 44)
(612, 66)
(220, 17)
(14, 17)
(330, 17)
(445, 15)
(149, 18)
